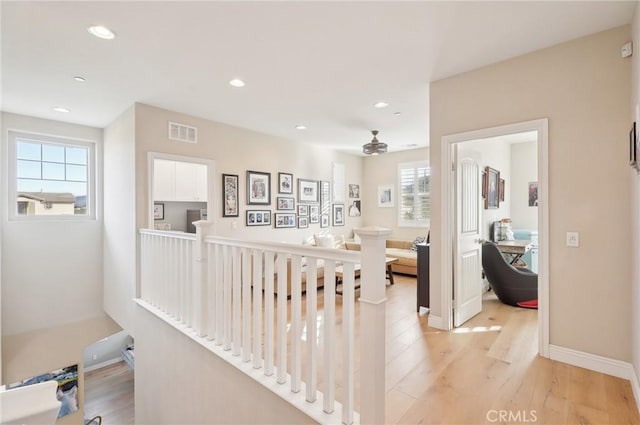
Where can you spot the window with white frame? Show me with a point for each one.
(414, 181)
(50, 177)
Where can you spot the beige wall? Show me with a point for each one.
(119, 233)
(634, 182)
(583, 87)
(383, 170)
(236, 150)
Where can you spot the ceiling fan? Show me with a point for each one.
(374, 147)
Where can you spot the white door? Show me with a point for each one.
(467, 286)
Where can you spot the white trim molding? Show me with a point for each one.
(596, 363)
(635, 386)
(447, 206)
(437, 322)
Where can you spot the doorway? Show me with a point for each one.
(448, 242)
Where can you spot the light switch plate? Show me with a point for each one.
(573, 239)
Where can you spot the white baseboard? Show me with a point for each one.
(103, 364)
(635, 386)
(593, 362)
(437, 322)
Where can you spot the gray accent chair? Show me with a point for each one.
(511, 285)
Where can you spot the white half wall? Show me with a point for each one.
(180, 382)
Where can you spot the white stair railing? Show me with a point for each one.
(228, 292)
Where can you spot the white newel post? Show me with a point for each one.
(200, 278)
(372, 323)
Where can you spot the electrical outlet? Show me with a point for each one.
(94, 357)
(573, 239)
(234, 225)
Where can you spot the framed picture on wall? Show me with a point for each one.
(308, 191)
(258, 188)
(385, 195)
(158, 211)
(285, 183)
(314, 214)
(303, 210)
(502, 190)
(324, 220)
(285, 203)
(354, 191)
(303, 222)
(338, 214)
(492, 188)
(258, 218)
(283, 220)
(230, 195)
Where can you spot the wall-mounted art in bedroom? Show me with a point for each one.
(492, 188)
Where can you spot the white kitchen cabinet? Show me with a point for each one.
(164, 180)
(179, 181)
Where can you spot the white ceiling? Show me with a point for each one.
(322, 64)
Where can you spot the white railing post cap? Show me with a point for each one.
(372, 231)
(204, 224)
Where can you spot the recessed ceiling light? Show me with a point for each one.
(79, 79)
(397, 113)
(236, 82)
(101, 32)
(381, 105)
(61, 109)
(301, 127)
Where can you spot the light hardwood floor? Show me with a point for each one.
(109, 393)
(488, 368)
(472, 375)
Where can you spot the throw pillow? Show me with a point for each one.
(418, 240)
(325, 241)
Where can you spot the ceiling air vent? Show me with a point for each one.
(183, 133)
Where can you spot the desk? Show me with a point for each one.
(389, 274)
(514, 249)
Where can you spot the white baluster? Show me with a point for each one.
(257, 309)
(211, 290)
(268, 313)
(237, 326)
(190, 288)
(281, 326)
(246, 305)
(329, 336)
(227, 296)
(312, 329)
(219, 256)
(348, 307)
(296, 322)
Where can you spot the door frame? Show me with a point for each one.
(447, 210)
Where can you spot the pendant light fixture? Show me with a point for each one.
(374, 147)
